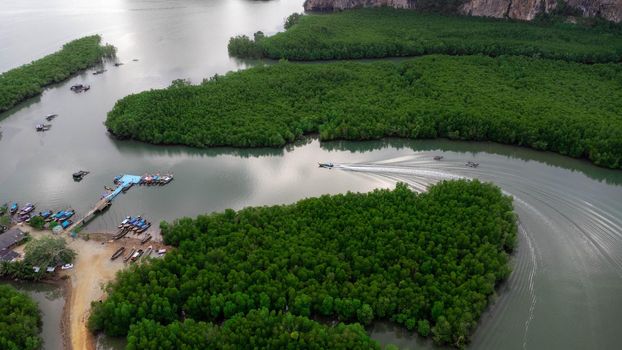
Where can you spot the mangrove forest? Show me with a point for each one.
(27, 81)
(565, 107)
(429, 262)
(20, 320)
(388, 32)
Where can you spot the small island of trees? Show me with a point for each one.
(29, 80)
(429, 262)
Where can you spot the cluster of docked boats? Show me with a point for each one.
(136, 254)
(156, 179)
(63, 217)
(136, 225)
(25, 214)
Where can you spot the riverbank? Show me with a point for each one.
(387, 32)
(86, 281)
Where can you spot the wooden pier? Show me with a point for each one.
(125, 181)
(99, 207)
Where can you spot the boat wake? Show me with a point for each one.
(570, 239)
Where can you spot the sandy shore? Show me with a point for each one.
(85, 283)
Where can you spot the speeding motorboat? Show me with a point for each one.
(326, 165)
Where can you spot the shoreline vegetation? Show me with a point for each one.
(388, 32)
(29, 80)
(550, 105)
(428, 261)
(20, 320)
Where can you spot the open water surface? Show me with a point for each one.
(566, 288)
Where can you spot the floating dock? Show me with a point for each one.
(123, 182)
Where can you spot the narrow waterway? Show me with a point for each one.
(50, 299)
(566, 288)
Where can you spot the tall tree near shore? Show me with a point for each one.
(48, 251)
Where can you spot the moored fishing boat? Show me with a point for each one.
(144, 228)
(132, 222)
(69, 213)
(138, 225)
(125, 221)
(66, 224)
(13, 208)
(27, 208)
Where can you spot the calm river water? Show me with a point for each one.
(566, 288)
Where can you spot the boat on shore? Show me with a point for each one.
(146, 239)
(147, 253)
(122, 233)
(136, 255)
(13, 208)
(118, 253)
(129, 256)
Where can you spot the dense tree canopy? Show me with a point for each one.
(29, 80)
(565, 107)
(427, 261)
(260, 329)
(48, 251)
(384, 32)
(20, 321)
